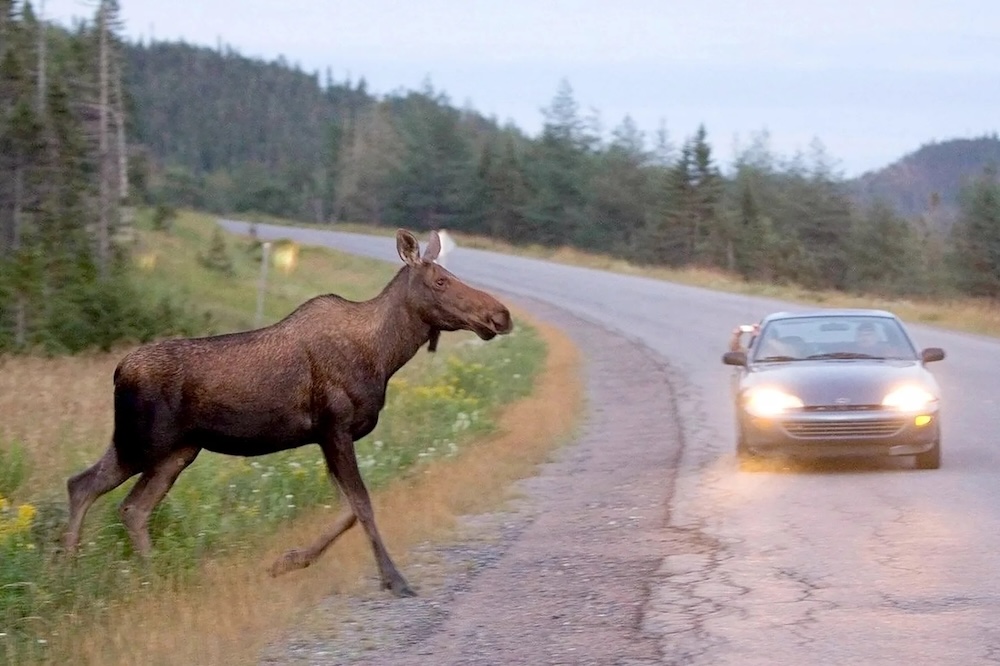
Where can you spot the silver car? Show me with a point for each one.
(832, 383)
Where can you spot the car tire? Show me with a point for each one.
(930, 459)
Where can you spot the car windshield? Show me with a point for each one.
(832, 337)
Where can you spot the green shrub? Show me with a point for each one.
(13, 467)
(163, 216)
(217, 257)
(100, 314)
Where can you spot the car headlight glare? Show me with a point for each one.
(767, 402)
(909, 399)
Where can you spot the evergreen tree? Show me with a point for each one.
(976, 237)
(217, 257)
(712, 241)
(372, 154)
(335, 139)
(686, 226)
(811, 206)
(883, 256)
(755, 243)
(500, 194)
(558, 174)
(667, 238)
(437, 165)
(621, 192)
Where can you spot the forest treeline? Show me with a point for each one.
(231, 134)
(189, 126)
(65, 280)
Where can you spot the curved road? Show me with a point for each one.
(863, 563)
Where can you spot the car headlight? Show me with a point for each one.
(909, 399)
(767, 402)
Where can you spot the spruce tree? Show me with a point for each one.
(976, 237)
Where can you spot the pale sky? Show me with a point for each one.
(871, 80)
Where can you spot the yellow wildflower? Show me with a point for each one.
(25, 514)
(12, 522)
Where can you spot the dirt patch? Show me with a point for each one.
(561, 575)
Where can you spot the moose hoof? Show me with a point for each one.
(399, 588)
(290, 561)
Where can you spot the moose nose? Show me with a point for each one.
(501, 321)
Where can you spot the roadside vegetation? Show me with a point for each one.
(57, 419)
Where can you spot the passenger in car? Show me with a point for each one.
(791, 346)
(736, 337)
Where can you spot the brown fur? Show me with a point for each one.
(317, 376)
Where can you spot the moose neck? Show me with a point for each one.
(398, 330)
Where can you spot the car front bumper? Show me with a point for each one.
(834, 434)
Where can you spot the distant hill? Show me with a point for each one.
(931, 176)
(210, 109)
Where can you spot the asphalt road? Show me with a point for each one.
(868, 562)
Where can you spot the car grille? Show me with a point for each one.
(843, 408)
(846, 429)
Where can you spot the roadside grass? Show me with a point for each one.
(170, 265)
(227, 518)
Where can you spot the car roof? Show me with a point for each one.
(830, 312)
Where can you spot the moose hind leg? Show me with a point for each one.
(84, 488)
(148, 491)
(343, 465)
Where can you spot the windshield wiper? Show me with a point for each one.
(845, 354)
(778, 358)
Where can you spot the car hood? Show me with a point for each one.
(844, 382)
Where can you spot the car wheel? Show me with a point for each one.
(930, 459)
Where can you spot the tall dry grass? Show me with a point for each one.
(58, 410)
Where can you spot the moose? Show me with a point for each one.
(317, 376)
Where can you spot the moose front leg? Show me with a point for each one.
(302, 558)
(338, 448)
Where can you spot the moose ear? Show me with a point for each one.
(408, 247)
(433, 248)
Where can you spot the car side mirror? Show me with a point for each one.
(734, 358)
(932, 354)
